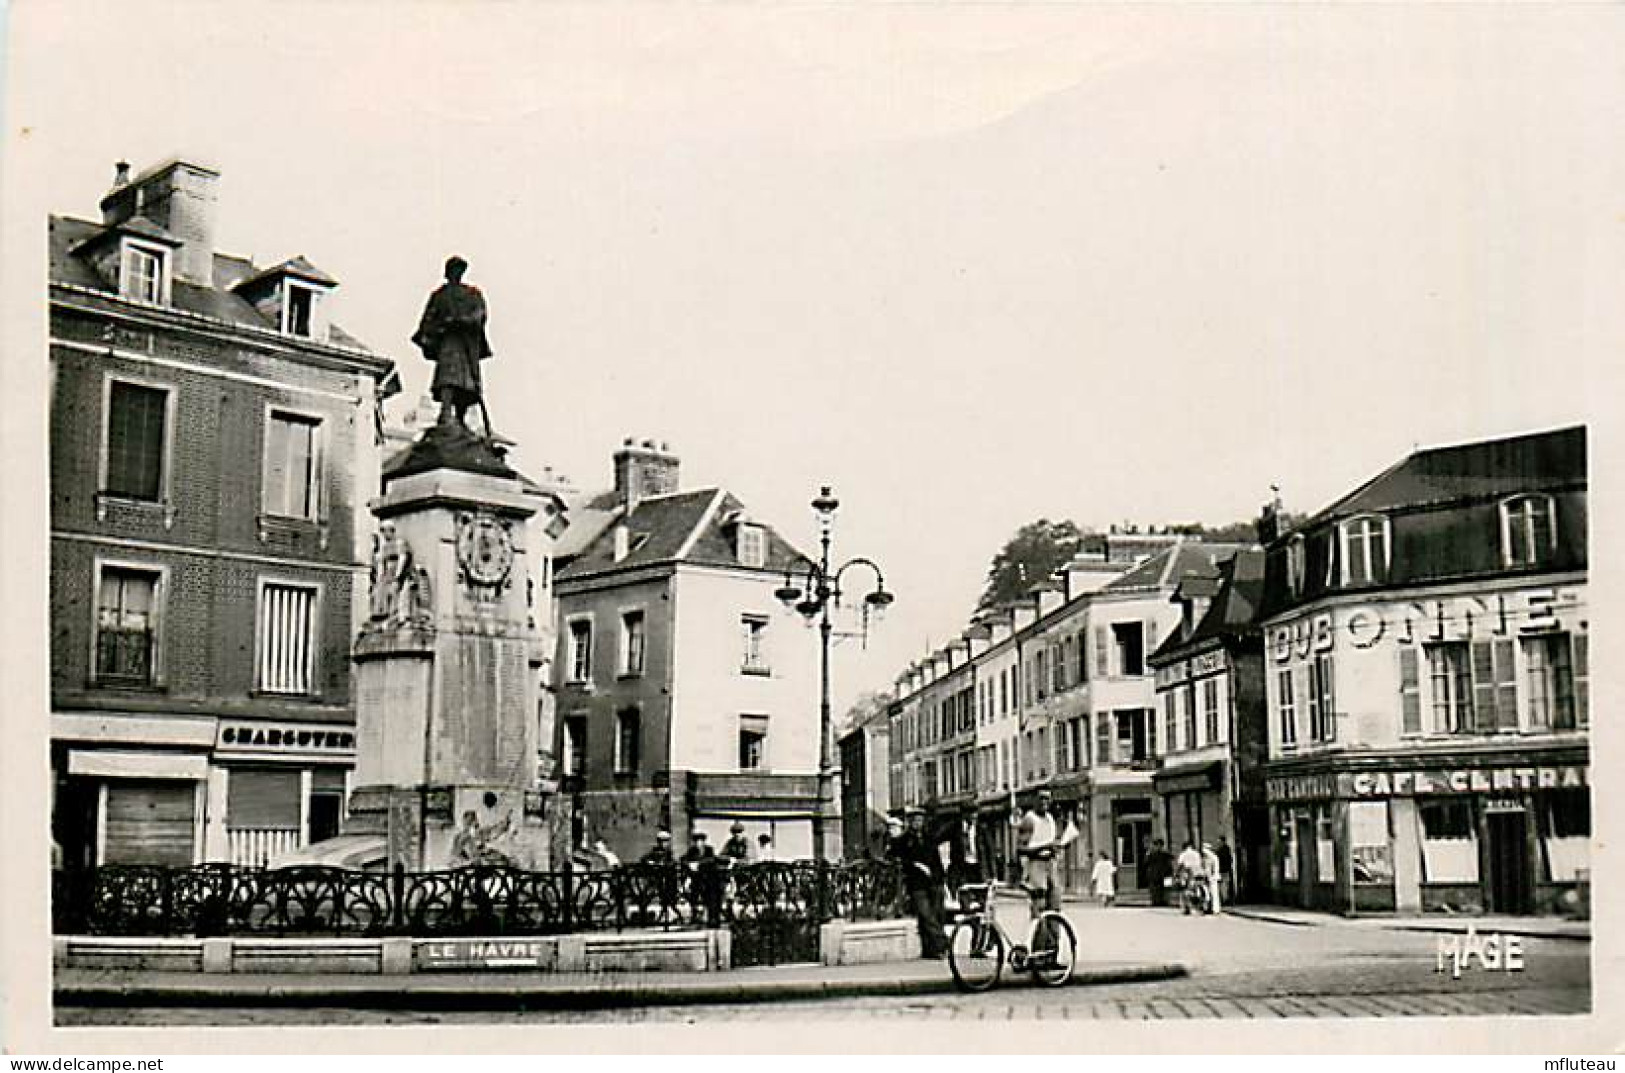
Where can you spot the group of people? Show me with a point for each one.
(1214, 867)
(935, 859)
(736, 850)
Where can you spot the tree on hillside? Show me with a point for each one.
(1036, 551)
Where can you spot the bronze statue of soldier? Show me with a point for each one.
(451, 333)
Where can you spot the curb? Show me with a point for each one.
(1453, 926)
(399, 994)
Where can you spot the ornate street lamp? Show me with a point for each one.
(813, 590)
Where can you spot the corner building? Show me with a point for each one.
(209, 426)
(1426, 666)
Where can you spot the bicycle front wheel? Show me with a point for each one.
(975, 954)
(1054, 967)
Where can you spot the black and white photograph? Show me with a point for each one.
(814, 527)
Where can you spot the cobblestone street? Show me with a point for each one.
(1241, 969)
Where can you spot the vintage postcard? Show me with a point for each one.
(996, 527)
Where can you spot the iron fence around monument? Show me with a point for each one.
(209, 900)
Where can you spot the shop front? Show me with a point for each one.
(1194, 801)
(276, 787)
(1459, 834)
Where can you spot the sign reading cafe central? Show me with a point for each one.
(1345, 784)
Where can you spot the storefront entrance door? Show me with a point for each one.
(1509, 862)
(1133, 834)
(1306, 861)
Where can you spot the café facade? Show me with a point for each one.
(1426, 663)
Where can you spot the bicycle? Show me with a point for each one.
(1195, 893)
(979, 946)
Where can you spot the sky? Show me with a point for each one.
(971, 265)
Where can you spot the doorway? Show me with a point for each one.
(1508, 862)
(1133, 836)
(1307, 863)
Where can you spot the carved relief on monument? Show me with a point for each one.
(401, 593)
(485, 552)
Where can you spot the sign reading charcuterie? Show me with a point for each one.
(277, 738)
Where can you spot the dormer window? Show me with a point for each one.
(1365, 550)
(1528, 530)
(1295, 567)
(144, 273)
(299, 310)
(752, 546)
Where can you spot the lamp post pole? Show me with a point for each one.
(819, 593)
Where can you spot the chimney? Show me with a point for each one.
(1269, 519)
(1022, 615)
(1001, 627)
(623, 541)
(643, 470)
(1049, 598)
(179, 197)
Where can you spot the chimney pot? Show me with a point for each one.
(121, 173)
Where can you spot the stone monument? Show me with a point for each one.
(447, 663)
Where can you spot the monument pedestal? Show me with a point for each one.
(447, 666)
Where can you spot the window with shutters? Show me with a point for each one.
(1210, 709)
(1365, 550)
(1582, 678)
(1187, 708)
(1061, 660)
(292, 465)
(1103, 652)
(575, 745)
(127, 613)
(136, 442)
(1041, 675)
(1296, 565)
(1061, 755)
(1129, 640)
(1528, 530)
(1103, 740)
(1450, 688)
(144, 273)
(1286, 709)
(1322, 712)
(580, 650)
(628, 737)
(1080, 743)
(631, 643)
(1080, 652)
(287, 638)
(1550, 665)
(753, 632)
(1495, 686)
(1410, 691)
(1170, 719)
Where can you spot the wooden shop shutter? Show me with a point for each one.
(150, 821)
(258, 800)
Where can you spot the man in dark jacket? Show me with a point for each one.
(916, 852)
(1159, 865)
(965, 856)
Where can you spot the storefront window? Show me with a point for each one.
(1565, 834)
(1449, 843)
(1325, 847)
(1370, 852)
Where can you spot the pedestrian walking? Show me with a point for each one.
(1104, 879)
(1036, 836)
(922, 881)
(1189, 870)
(1210, 867)
(1227, 869)
(1159, 871)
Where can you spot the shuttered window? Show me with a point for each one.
(260, 800)
(135, 440)
(150, 821)
(1551, 681)
(1495, 686)
(1103, 739)
(1170, 719)
(1582, 679)
(1450, 686)
(1410, 698)
(1286, 708)
(287, 650)
(1210, 708)
(292, 465)
(1081, 650)
(1102, 653)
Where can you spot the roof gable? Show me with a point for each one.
(682, 527)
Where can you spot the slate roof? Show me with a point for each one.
(216, 302)
(1530, 462)
(1235, 607)
(296, 266)
(1172, 565)
(686, 527)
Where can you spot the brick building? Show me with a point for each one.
(213, 443)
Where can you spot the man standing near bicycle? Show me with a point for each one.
(1035, 846)
(916, 853)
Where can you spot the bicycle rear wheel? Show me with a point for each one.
(1054, 967)
(975, 954)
